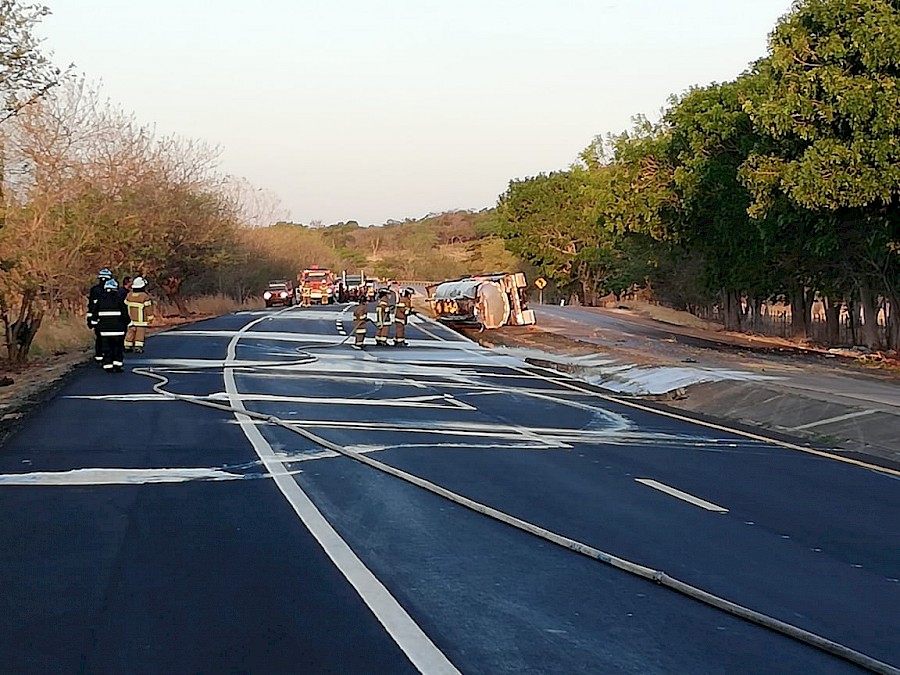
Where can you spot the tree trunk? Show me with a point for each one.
(732, 310)
(172, 289)
(893, 321)
(832, 321)
(801, 311)
(756, 318)
(869, 304)
(20, 331)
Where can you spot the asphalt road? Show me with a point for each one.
(150, 535)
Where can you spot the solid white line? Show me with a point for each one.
(422, 652)
(433, 401)
(832, 420)
(684, 496)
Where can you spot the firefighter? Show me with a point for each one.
(382, 319)
(94, 295)
(402, 311)
(360, 319)
(140, 311)
(112, 321)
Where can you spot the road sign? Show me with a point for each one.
(540, 282)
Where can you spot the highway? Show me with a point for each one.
(195, 514)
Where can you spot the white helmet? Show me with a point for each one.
(138, 283)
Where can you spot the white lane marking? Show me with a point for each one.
(303, 338)
(422, 652)
(832, 420)
(111, 476)
(132, 398)
(408, 402)
(684, 496)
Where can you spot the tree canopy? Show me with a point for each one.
(780, 184)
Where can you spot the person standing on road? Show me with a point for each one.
(360, 319)
(112, 321)
(402, 310)
(94, 296)
(382, 319)
(140, 311)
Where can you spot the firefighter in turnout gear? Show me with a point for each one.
(94, 296)
(360, 319)
(382, 319)
(140, 310)
(402, 311)
(112, 321)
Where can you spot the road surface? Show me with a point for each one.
(145, 533)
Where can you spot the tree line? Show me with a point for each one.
(780, 185)
(436, 247)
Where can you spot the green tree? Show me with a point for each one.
(830, 104)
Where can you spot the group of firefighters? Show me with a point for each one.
(119, 317)
(383, 320)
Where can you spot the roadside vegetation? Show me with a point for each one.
(781, 186)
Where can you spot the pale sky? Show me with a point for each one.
(377, 109)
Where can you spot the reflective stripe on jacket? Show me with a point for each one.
(111, 315)
(401, 310)
(382, 313)
(140, 308)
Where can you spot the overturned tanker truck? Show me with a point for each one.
(491, 300)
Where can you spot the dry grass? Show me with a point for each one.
(60, 335)
(669, 315)
(211, 305)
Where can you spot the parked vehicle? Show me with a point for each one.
(279, 292)
(316, 286)
(349, 285)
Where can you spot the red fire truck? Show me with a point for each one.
(316, 286)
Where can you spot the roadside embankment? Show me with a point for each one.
(818, 399)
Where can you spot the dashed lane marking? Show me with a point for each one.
(683, 496)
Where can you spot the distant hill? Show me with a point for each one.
(441, 246)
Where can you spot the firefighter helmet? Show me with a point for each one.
(111, 285)
(139, 284)
(104, 274)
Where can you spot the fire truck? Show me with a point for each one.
(316, 286)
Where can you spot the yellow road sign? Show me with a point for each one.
(540, 282)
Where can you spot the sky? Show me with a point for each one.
(369, 110)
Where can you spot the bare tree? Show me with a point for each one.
(26, 73)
